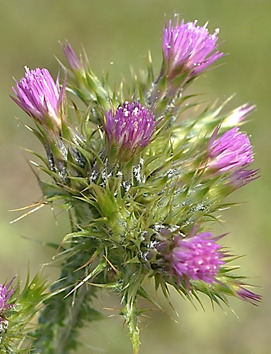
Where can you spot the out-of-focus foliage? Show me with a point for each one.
(114, 34)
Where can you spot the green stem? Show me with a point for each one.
(130, 314)
(64, 333)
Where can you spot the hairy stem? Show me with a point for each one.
(131, 316)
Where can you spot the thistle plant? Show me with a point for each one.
(143, 176)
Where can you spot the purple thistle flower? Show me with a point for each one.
(5, 294)
(39, 96)
(130, 127)
(230, 152)
(188, 47)
(72, 59)
(196, 257)
(248, 296)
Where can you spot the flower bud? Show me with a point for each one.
(248, 296)
(238, 115)
(72, 59)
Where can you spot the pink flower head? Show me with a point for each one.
(196, 257)
(231, 151)
(188, 47)
(5, 293)
(39, 96)
(130, 127)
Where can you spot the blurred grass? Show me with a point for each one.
(122, 32)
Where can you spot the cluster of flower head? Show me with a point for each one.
(131, 126)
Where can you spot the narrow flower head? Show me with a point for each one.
(248, 296)
(189, 47)
(241, 177)
(238, 115)
(130, 127)
(230, 152)
(72, 59)
(39, 96)
(5, 293)
(197, 257)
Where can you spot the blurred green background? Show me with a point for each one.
(116, 35)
